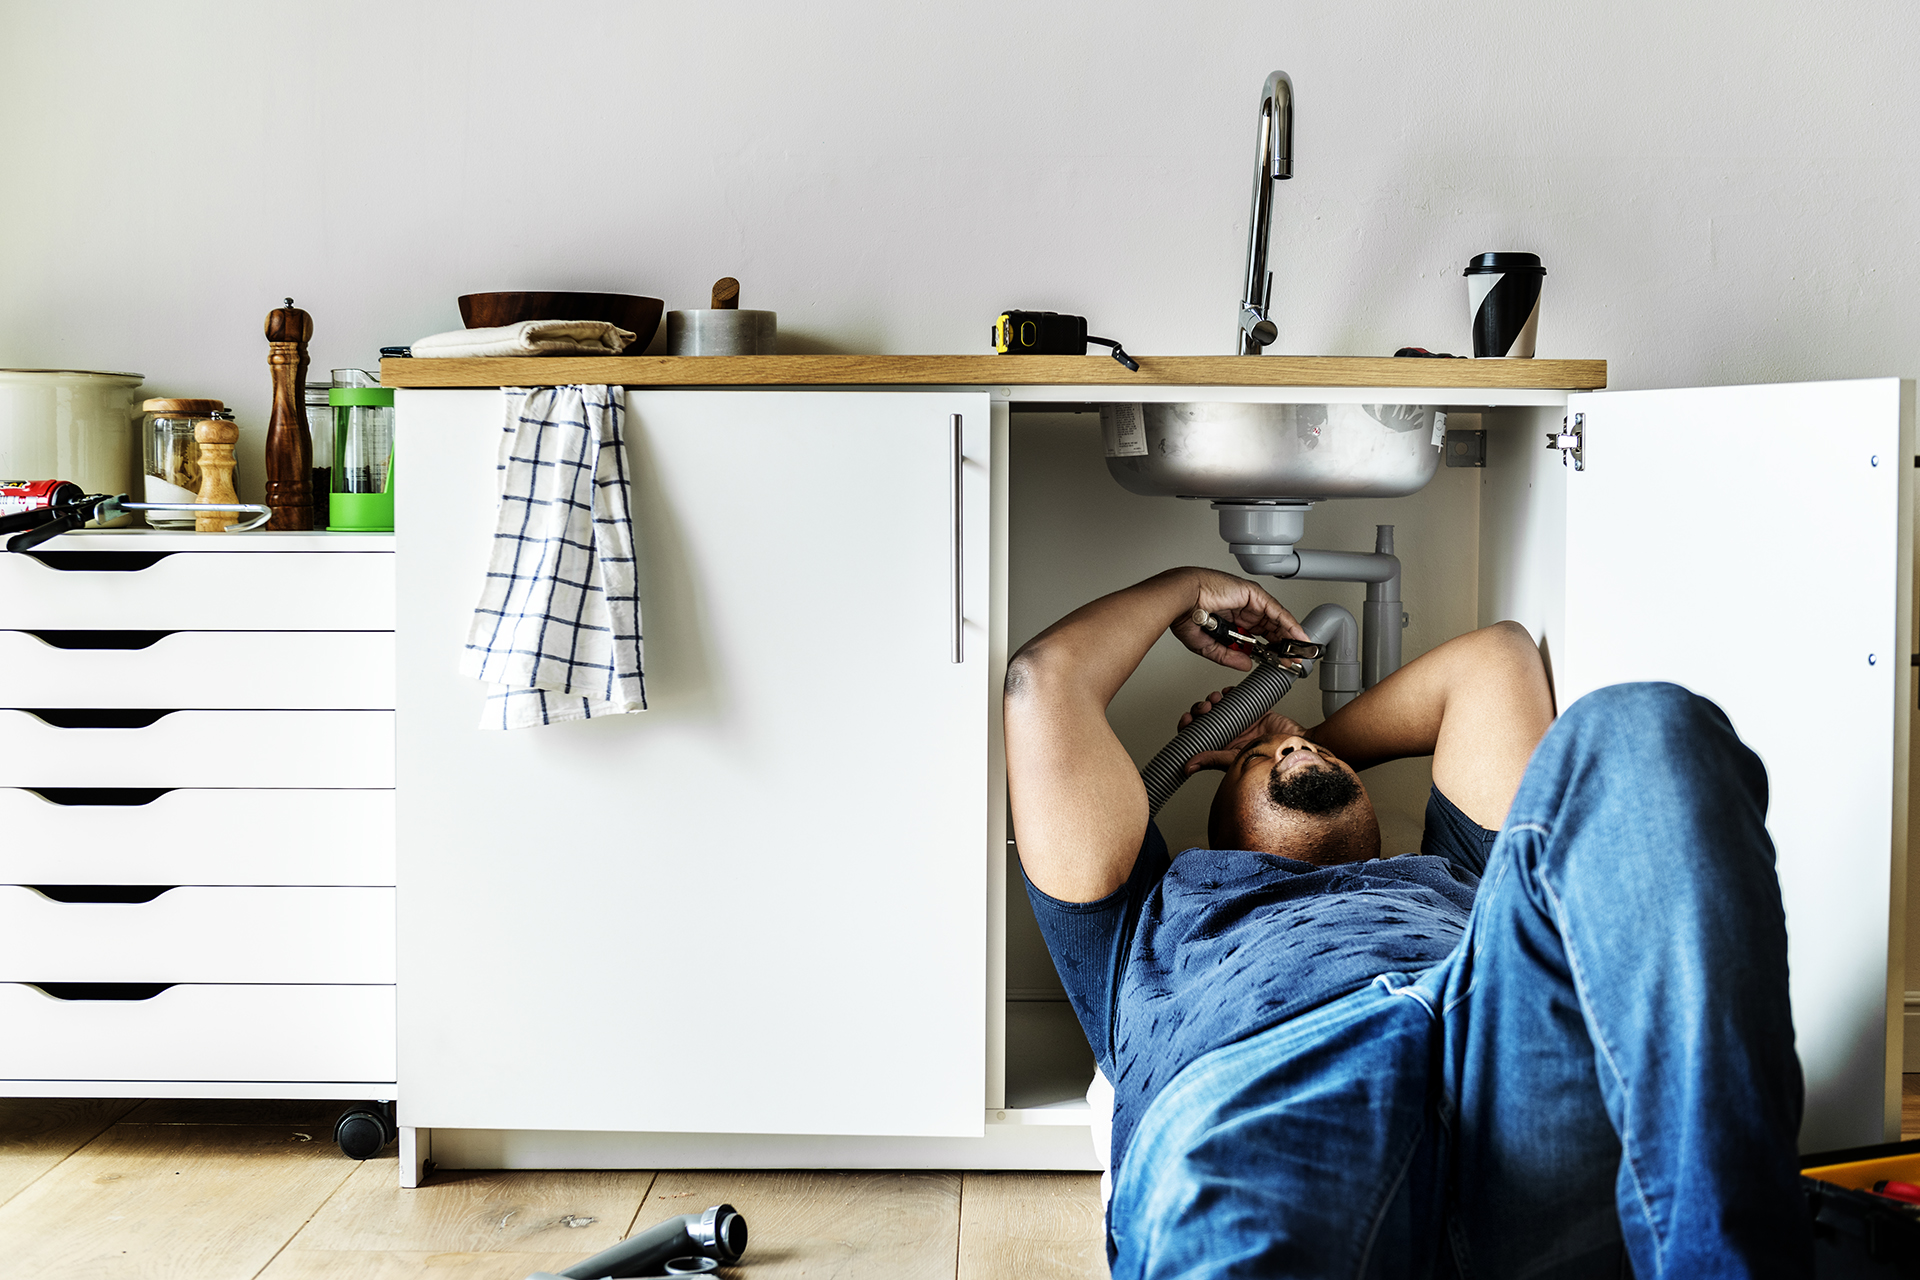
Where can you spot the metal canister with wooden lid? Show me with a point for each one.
(170, 457)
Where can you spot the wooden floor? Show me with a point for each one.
(93, 1190)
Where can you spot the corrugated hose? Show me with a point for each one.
(1243, 704)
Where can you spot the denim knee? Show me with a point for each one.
(1654, 720)
(1639, 706)
(1645, 749)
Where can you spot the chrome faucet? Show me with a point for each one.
(1274, 160)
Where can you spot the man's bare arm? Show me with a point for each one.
(1478, 704)
(1079, 809)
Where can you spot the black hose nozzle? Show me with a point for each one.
(666, 1249)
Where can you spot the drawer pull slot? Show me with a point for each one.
(130, 893)
(99, 795)
(101, 990)
(100, 639)
(93, 718)
(100, 561)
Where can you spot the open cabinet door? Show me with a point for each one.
(1754, 545)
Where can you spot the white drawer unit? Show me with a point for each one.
(61, 586)
(146, 835)
(197, 749)
(196, 772)
(223, 1035)
(264, 670)
(194, 933)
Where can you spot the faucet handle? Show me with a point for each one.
(1260, 331)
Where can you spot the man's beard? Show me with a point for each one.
(1313, 789)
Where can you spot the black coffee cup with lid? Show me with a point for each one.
(1503, 300)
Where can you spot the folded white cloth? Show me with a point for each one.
(557, 629)
(530, 338)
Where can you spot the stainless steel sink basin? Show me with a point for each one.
(1299, 452)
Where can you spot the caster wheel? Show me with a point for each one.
(364, 1131)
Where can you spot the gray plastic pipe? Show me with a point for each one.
(1380, 617)
(1243, 704)
(1332, 627)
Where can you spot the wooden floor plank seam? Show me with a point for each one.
(633, 1223)
(12, 1110)
(288, 1242)
(959, 1224)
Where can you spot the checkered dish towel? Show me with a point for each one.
(557, 629)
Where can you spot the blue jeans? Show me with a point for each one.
(1602, 1071)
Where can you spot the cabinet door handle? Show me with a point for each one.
(100, 639)
(100, 561)
(101, 990)
(956, 496)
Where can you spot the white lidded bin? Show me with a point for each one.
(69, 424)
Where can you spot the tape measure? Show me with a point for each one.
(1040, 333)
(1049, 333)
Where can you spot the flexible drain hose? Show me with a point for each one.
(1244, 703)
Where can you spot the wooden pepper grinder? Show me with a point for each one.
(216, 437)
(289, 446)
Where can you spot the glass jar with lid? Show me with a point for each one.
(169, 458)
(320, 431)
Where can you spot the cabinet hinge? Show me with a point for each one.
(1568, 441)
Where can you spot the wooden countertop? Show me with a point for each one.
(1011, 371)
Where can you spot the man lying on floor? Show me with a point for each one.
(1541, 1052)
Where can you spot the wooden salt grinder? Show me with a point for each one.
(216, 437)
(289, 446)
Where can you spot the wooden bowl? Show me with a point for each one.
(639, 316)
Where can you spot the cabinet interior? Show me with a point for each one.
(1073, 534)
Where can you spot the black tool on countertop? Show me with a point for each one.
(691, 1244)
(1050, 333)
(45, 509)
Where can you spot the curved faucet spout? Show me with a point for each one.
(1273, 161)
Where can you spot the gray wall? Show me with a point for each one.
(1723, 192)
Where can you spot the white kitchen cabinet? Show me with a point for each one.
(678, 937)
(760, 906)
(1754, 544)
(196, 771)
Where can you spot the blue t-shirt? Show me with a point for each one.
(1220, 944)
